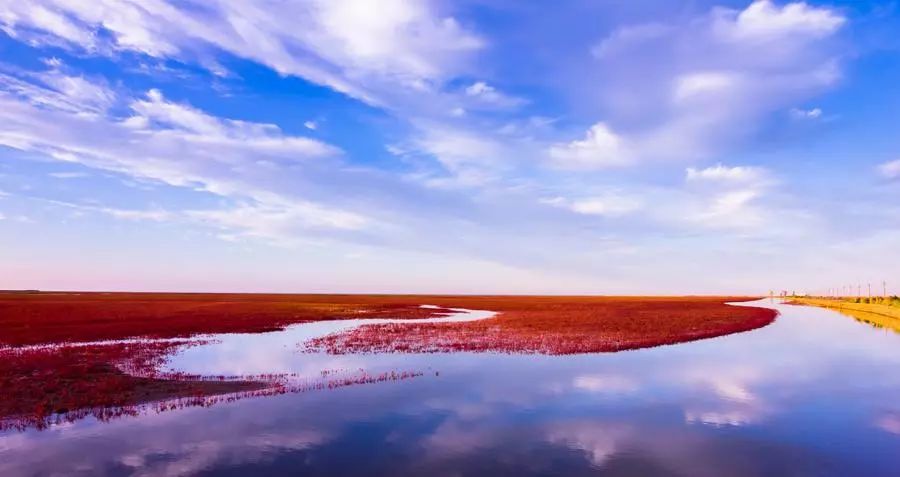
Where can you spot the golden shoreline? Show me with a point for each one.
(880, 315)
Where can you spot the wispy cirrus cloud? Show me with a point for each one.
(731, 197)
(722, 173)
(356, 47)
(54, 89)
(690, 89)
(806, 114)
(890, 170)
(176, 144)
(607, 204)
(69, 175)
(398, 55)
(487, 95)
(154, 115)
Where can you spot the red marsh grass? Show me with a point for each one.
(558, 325)
(35, 318)
(40, 382)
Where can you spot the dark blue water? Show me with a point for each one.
(814, 394)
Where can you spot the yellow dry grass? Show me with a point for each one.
(875, 314)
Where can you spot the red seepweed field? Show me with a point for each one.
(43, 373)
(56, 317)
(558, 325)
(105, 380)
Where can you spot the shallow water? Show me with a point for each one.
(815, 393)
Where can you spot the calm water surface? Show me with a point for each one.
(815, 393)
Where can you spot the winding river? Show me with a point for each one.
(814, 394)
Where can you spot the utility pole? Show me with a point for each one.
(870, 291)
(884, 289)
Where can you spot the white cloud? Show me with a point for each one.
(729, 197)
(763, 21)
(721, 200)
(625, 37)
(52, 62)
(798, 113)
(609, 204)
(275, 219)
(731, 208)
(279, 220)
(471, 159)
(395, 54)
(87, 94)
(891, 169)
(311, 125)
(479, 89)
(601, 147)
(155, 115)
(392, 36)
(55, 89)
(152, 215)
(694, 88)
(15, 15)
(182, 146)
(721, 172)
(365, 49)
(454, 148)
(704, 83)
(488, 94)
(68, 175)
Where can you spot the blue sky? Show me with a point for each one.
(431, 146)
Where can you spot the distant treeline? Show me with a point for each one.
(876, 300)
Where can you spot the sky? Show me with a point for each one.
(472, 146)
